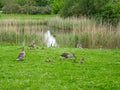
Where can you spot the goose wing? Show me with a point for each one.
(65, 55)
(21, 55)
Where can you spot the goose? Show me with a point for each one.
(21, 55)
(69, 55)
(32, 45)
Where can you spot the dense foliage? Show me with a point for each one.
(1, 5)
(107, 10)
(16, 8)
(111, 13)
(56, 6)
(26, 6)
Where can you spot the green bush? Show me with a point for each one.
(26, 9)
(29, 9)
(45, 10)
(67, 9)
(11, 8)
(57, 6)
(33, 10)
(108, 10)
(111, 13)
(1, 5)
(23, 9)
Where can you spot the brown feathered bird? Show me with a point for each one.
(69, 55)
(32, 45)
(21, 55)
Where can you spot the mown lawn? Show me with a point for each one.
(100, 71)
(24, 16)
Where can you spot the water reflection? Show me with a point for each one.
(49, 39)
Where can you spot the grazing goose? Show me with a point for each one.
(21, 55)
(68, 55)
(32, 45)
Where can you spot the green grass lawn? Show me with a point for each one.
(24, 16)
(100, 71)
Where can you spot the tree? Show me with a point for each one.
(56, 6)
(111, 13)
(42, 2)
(68, 8)
(1, 4)
(105, 9)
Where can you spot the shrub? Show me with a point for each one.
(29, 9)
(44, 10)
(108, 10)
(23, 9)
(67, 8)
(57, 6)
(26, 9)
(1, 5)
(111, 13)
(11, 8)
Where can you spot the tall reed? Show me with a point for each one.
(68, 32)
(87, 31)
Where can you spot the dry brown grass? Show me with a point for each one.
(83, 30)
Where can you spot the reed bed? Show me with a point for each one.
(86, 31)
(68, 32)
(16, 30)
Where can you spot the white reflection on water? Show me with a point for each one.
(49, 39)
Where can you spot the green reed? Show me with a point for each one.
(68, 32)
(86, 31)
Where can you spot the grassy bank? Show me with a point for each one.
(99, 72)
(24, 16)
